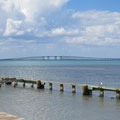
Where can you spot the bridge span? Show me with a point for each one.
(64, 58)
(70, 58)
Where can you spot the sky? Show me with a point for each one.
(87, 28)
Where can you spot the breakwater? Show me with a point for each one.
(86, 89)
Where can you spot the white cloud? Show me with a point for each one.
(12, 28)
(58, 32)
(76, 40)
(31, 8)
(102, 30)
(43, 21)
(94, 17)
(27, 16)
(95, 40)
(62, 31)
(34, 20)
(98, 28)
(1, 30)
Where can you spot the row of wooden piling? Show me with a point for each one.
(86, 89)
(62, 87)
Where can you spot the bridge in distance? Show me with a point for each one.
(64, 58)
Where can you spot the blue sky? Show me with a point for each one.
(83, 5)
(59, 27)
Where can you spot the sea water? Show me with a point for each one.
(33, 104)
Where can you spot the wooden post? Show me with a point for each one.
(42, 85)
(101, 92)
(23, 84)
(86, 91)
(8, 83)
(50, 86)
(118, 94)
(38, 84)
(73, 89)
(90, 92)
(61, 87)
(15, 84)
(0, 84)
(32, 85)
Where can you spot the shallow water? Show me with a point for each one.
(33, 104)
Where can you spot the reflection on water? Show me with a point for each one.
(33, 104)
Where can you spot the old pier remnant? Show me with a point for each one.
(40, 85)
(50, 86)
(86, 89)
(61, 87)
(73, 89)
(15, 84)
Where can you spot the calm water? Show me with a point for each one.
(33, 104)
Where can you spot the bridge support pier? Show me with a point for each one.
(60, 57)
(55, 57)
(73, 89)
(61, 87)
(48, 57)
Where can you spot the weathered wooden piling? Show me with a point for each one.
(101, 92)
(118, 94)
(32, 85)
(86, 91)
(23, 84)
(15, 84)
(50, 86)
(73, 89)
(40, 85)
(8, 83)
(61, 87)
